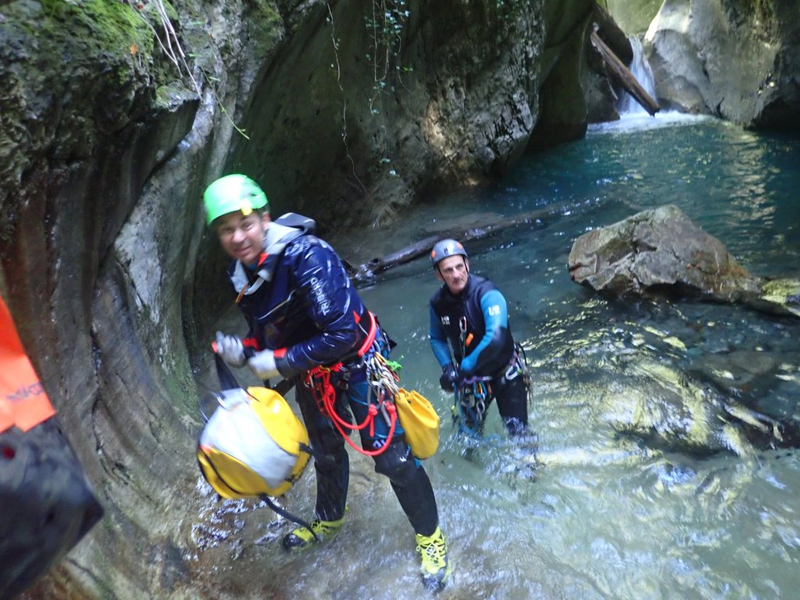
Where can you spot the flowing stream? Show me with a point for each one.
(641, 70)
(595, 510)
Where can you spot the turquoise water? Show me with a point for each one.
(604, 507)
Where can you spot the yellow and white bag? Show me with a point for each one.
(253, 444)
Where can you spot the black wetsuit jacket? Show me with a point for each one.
(487, 351)
(299, 300)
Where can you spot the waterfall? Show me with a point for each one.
(627, 105)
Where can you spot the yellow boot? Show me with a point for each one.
(301, 538)
(435, 567)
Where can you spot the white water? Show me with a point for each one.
(641, 70)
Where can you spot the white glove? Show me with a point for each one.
(263, 364)
(230, 349)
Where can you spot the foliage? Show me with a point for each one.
(385, 27)
(154, 14)
(108, 24)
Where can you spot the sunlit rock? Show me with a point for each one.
(656, 250)
(780, 296)
(735, 60)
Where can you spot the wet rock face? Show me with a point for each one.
(731, 58)
(634, 16)
(98, 141)
(655, 250)
(601, 94)
(439, 95)
(562, 101)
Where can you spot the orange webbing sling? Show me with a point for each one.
(23, 401)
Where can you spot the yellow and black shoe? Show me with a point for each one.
(301, 538)
(435, 568)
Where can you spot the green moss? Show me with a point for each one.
(265, 11)
(110, 26)
(180, 385)
(264, 24)
(172, 94)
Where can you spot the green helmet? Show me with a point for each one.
(233, 193)
(444, 248)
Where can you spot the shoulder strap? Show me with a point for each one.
(308, 226)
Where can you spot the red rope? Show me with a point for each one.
(318, 380)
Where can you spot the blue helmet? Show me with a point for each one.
(444, 248)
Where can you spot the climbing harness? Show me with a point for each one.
(385, 400)
(462, 327)
(520, 364)
(471, 397)
(382, 380)
(469, 407)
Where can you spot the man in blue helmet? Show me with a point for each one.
(306, 317)
(471, 339)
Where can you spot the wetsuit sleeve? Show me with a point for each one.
(495, 316)
(331, 303)
(438, 339)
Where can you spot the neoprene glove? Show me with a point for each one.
(449, 378)
(230, 349)
(262, 364)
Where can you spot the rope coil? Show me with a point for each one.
(382, 378)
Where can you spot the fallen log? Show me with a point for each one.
(622, 75)
(366, 272)
(612, 35)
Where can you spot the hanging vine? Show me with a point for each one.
(385, 25)
(170, 45)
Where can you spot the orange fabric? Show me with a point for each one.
(23, 401)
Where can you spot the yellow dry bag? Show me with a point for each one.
(420, 421)
(253, 444)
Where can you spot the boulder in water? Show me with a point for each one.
(655, 250)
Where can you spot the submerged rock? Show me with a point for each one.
(670, 411)
(736, 370)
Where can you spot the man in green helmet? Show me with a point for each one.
(305, 315)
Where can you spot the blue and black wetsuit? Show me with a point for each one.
(299, 302)
(471, 330)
